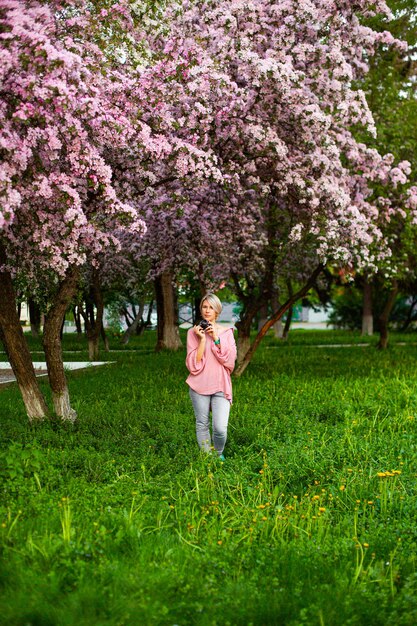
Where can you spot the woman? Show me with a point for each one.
(211, 355)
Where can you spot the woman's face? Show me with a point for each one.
(208, 312)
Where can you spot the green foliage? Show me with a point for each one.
(347, 309)
(119, 519)
(390, 86)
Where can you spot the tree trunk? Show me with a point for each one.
(385, 315)
(104, 337)
(134, 325)
(93, 320)
(148, 319)
(279, 329)
(290, 312)
(93, 348)
(53, 347)
(243, 345)
(77, 319)
(263, 315)
(244, 325)
(35, 317)
(367, 315)
(274, 318)
(243, 332)
(168, 333)
(17, 349)
(288, 321)
(278, 326)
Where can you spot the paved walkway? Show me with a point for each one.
(7, 376)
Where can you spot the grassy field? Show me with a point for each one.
(120, 521)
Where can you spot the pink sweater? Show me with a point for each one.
(212, 373)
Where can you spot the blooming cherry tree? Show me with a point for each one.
(282, 127)
(59, 109)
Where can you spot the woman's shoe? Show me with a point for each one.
(221, 458)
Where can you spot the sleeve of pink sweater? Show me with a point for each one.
(191, 360)
(226, 355)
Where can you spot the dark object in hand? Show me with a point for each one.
(204, 324)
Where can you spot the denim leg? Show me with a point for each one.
(220, 409)
(201, 405)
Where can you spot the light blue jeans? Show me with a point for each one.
(220, 409)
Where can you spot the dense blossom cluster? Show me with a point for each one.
(70, 122)
(58, 112)
(233, 131)
(266, 92)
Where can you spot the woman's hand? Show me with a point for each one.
(212, 332)
(201, 334)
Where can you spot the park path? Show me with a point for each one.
(7, 376)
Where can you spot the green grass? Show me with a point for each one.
(119, 520)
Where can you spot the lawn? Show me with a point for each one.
(120, 521)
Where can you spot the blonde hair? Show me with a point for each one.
(214, 301)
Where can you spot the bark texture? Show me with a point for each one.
(53, 347)
(17, 349)
(35, 318)
(168, 333)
